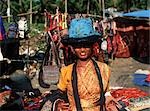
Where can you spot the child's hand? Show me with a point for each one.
(62, 106)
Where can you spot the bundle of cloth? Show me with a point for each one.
(142, 77)
(133, 99)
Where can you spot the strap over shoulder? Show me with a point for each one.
(75, 88)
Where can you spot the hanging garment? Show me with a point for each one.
(122, 47)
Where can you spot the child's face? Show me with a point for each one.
(83, 52)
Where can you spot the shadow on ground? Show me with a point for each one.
(145, 60)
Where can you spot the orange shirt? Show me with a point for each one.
(88, 85)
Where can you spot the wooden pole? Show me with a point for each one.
(66, 12)
(20, 2)
(88, 6)
(8, 10)
(30, 11)
(103, 4)
(23, 14)
(66, 6)
(100, 7)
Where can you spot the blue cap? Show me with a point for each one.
(81, 30)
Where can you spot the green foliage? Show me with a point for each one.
(3, 7)
(109, 3)
(36, 29)
(74, 6)
(132, 5)
(121, 5)
(41, 45)
(142, 4)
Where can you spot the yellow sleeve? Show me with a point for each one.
(62, 79)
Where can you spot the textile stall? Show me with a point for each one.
(134, 29)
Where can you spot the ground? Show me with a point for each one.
(122, 70)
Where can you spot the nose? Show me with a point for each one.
(82, 49)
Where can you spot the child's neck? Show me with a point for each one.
(81, 63)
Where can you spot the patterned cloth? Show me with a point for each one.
(88, 84)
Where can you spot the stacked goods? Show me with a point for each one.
(139, 103)
(125, 94)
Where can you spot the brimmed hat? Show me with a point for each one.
(81, 31)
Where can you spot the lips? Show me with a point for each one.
(83, 54)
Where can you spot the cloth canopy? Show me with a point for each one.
(140, 13)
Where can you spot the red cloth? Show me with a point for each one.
(148, 78)
(122, 47)
(109, 45)
(55, 37)
(96, 49)
(127, 93)
(32, 103)
(3, 95)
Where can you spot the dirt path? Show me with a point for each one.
(122, 71)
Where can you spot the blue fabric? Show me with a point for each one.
(2, 30)
(81, 28)
(141, 13)
(139, 79)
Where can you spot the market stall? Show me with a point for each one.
(134, 29)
